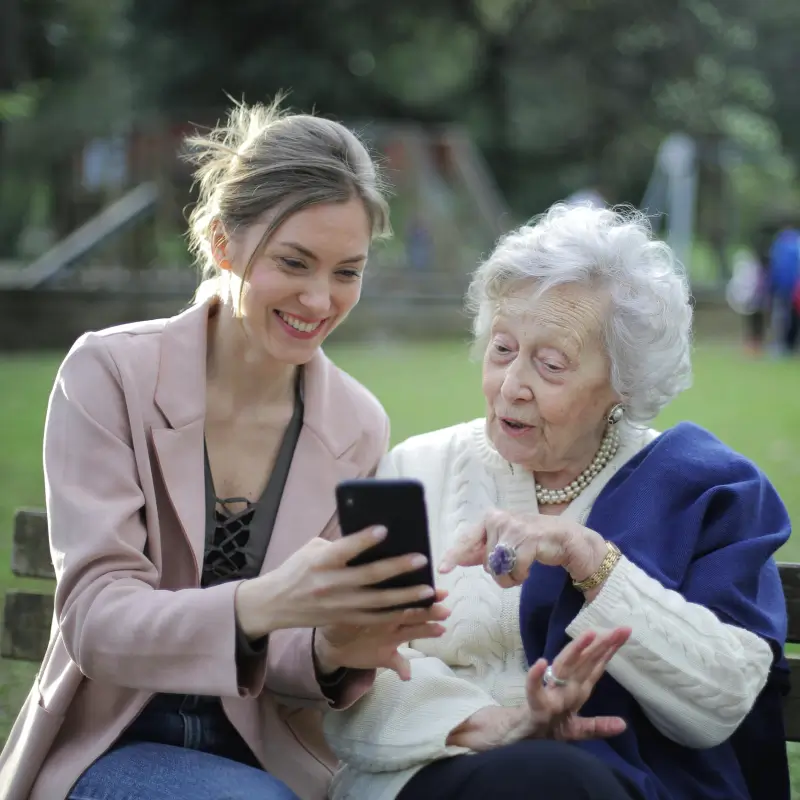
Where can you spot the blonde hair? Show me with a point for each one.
(266, 160)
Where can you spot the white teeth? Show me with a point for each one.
(303, 327)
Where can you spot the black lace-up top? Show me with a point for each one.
(238, 530)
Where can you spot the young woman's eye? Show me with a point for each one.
(350, 274)
(292, 263)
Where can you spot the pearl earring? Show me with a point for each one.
(616, 414)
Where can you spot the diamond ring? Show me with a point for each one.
(551, 679)
(502, 559)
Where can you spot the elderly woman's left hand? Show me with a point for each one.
(551, 712)
(551, 540)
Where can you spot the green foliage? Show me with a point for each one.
(20, 103)
(559, 94)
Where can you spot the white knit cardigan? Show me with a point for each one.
(694, 676)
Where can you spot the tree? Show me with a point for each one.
(63, 86)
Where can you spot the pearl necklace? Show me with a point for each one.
(607, 451)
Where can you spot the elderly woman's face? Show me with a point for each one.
(546, 379)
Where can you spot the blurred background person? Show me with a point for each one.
(784, 280)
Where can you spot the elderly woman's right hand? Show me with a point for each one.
(551, 711)
(315, 587)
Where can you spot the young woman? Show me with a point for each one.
(204, 609)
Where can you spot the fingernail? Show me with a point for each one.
(379, 532)
(418, 560)
(427, 591)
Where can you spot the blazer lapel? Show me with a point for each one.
(180, 458)
(181, 396)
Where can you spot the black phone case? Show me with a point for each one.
(399, 505)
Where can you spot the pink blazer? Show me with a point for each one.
(125, 498)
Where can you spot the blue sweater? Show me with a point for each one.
(705, 522)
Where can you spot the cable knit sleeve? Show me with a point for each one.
(695, 677)
(402, 724)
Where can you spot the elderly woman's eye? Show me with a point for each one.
(501, 349)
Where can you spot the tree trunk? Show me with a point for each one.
(10, 45)
(10, 54)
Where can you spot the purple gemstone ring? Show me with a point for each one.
(502, 559)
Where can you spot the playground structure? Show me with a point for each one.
(446, 212)
(128, 259)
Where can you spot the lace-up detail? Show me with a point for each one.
(238, 530)
(226, 557)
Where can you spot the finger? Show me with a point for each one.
(417, 616)
(371, 619)
(534, 683)
(599, 653)
(346, 548)
(590, 658)
(536, 673)
(375, 599)
(408, 618)
(400, 665)
(599, 668)
(583, 728)
(408, 633)
(468, 551)
(565, 663)
(378, 571)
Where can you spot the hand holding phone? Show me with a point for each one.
(398, 504)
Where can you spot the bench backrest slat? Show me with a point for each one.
(790, 578)
(30, 556)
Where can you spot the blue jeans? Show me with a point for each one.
(151, 771)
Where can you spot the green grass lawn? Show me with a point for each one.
(753, 405)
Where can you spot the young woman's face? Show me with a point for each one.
(305, 281)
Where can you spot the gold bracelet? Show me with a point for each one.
(609, 562)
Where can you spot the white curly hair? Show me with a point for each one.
(648, 330)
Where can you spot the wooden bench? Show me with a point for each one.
(27, 616)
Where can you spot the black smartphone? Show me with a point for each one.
(399, 505)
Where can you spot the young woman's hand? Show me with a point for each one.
(315, 587)
(376, 645)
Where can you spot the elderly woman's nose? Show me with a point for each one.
(516, 387)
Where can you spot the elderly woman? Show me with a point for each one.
(563, 512)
